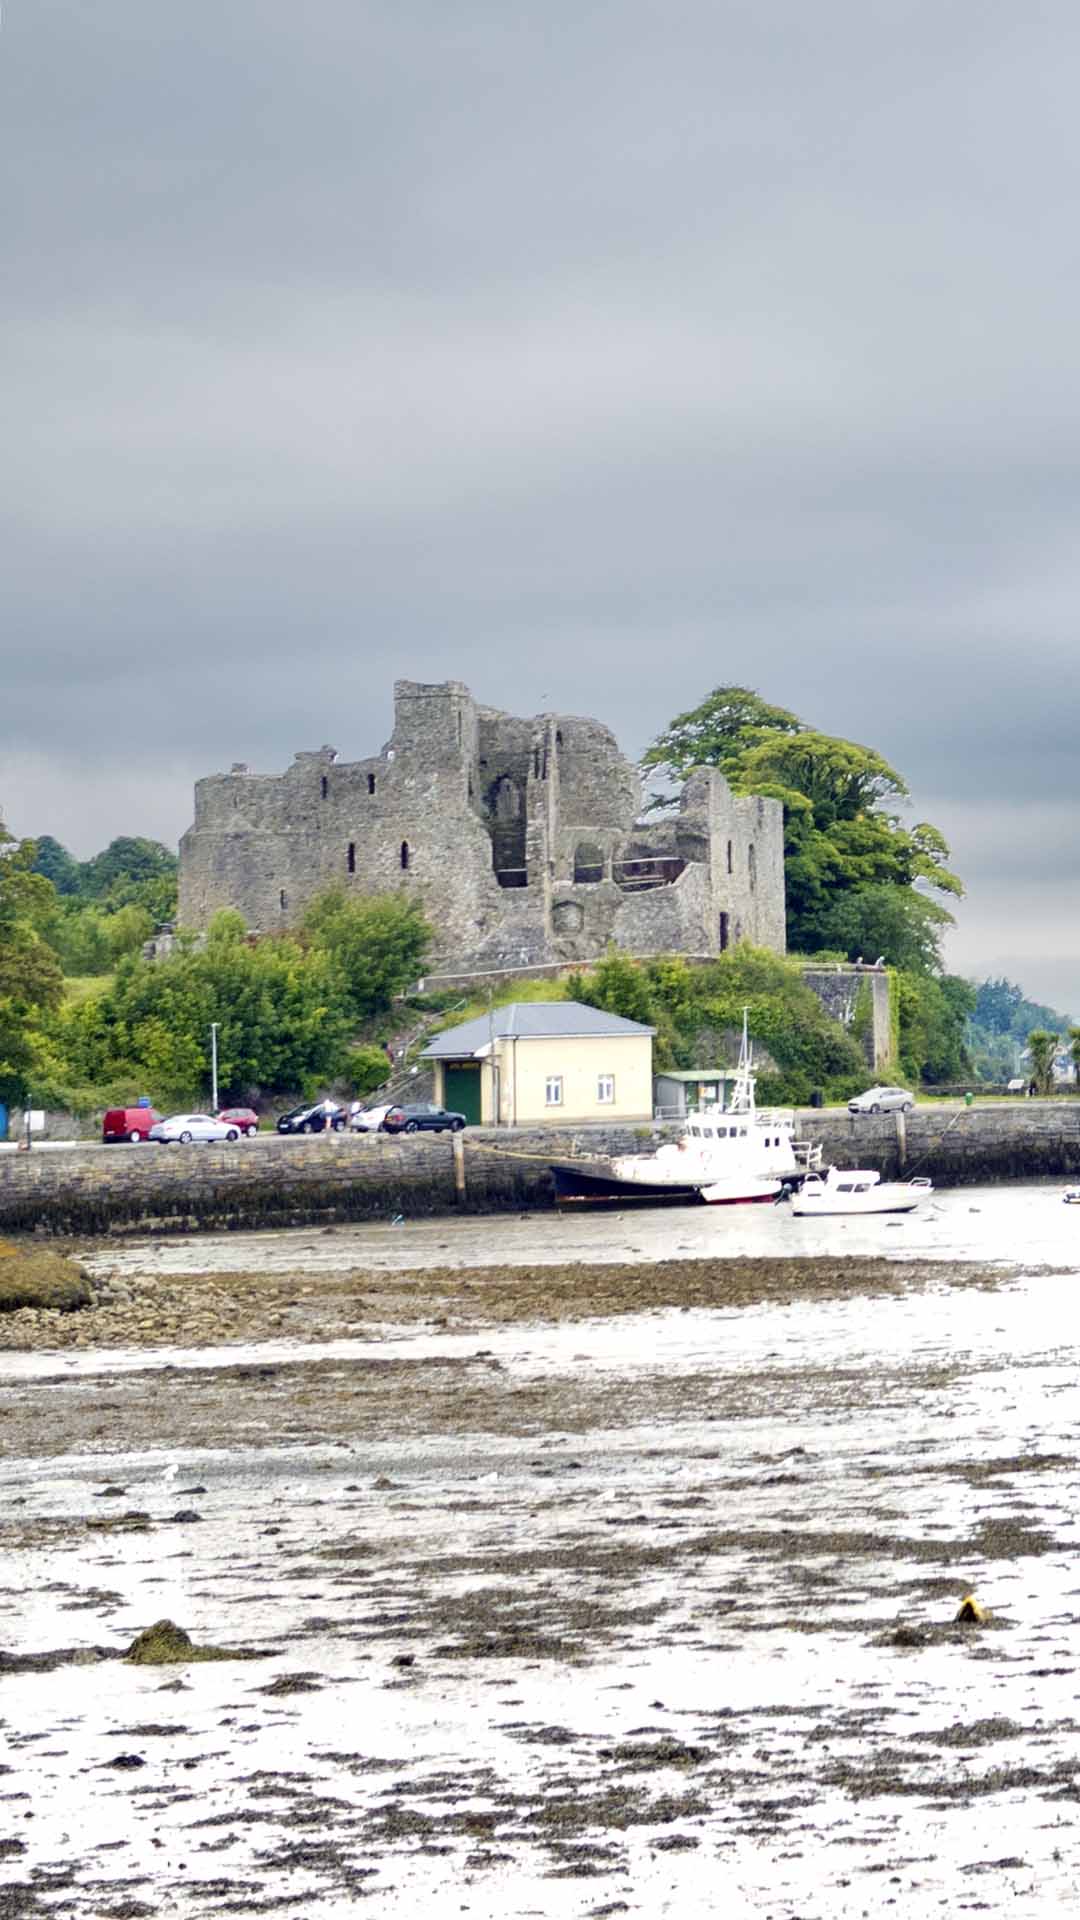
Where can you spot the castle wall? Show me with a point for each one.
(520, 836)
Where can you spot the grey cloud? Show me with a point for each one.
(593, 354)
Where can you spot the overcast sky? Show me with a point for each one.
(595, 354)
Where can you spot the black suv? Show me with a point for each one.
(422, 1118)
(314, 1119)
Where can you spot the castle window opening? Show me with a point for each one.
(730, 858)
(350, 858)
(752, 864)
(536, 762)
(505, 802)
(639, 876)
(588, 862)
(325, 785)
(724, 933)
(404, 856)
(282, 899)
(371, 783)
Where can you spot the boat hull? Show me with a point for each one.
(809, 1206)
(578, 1183)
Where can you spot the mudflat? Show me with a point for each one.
(557, 1586)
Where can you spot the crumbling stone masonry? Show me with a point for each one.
(520, 836)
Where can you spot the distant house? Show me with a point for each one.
(544, 1063)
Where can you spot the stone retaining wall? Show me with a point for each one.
(957, 1146)
(264, 1183)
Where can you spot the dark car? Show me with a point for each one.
(245, 1118)
(422, 1118)
(314, 1119)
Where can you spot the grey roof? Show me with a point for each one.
(697, 1073)
(531, 1020)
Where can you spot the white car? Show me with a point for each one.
(369, 1119)
(882, 1100)
(186, 1127)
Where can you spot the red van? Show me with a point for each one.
(128, 1123)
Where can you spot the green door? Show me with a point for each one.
(463, 1092)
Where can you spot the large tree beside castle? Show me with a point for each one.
(854, 870)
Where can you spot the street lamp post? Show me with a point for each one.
(213, 1065)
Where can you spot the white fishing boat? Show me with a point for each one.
(857, 1190)
(726, 1156)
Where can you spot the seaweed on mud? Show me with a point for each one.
(642, 1756)
(974, 1733)
(165, 1645)
(888, 1773)
(55, 1657)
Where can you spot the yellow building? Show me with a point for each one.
(544, 1063)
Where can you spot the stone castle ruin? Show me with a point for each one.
(521, 837)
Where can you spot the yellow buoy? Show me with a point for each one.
(971, 1614)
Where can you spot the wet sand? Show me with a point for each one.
(565, 1584)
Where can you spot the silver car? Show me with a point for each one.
(882, 1100)
(187, 1127)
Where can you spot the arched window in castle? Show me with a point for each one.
(752, 862)
(282, 899)
(325, 784)
(371, 783)
(588, 861)
(350, 857)
(506, 798)
(404, 856)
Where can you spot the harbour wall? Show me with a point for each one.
(340, 1177)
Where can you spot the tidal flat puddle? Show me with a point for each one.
(564, 1619)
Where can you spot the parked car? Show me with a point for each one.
(187, 1127)
(245, 1118)
(882, 1100)
(128, 1123)
(314, 1118)
(368, 1119)
(422, 1118)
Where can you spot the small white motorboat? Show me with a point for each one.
(1070, 1194)
(857, 1190)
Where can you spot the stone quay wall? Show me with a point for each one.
(273, 1182)
(267, 1183)
(956, 1146)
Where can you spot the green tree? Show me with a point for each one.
(933, 1022)
(1042, 1046)
(282, 1015)
(1074, 1052)
(997, 1003)
(30, 979)
(618, 985)
(842, 835)
(55, 863)
(127, 862)
(379, 943)
(698, 1011)
(888, 923)
(716, 733)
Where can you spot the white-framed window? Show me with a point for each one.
(553, 1090)
(605, 1090)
